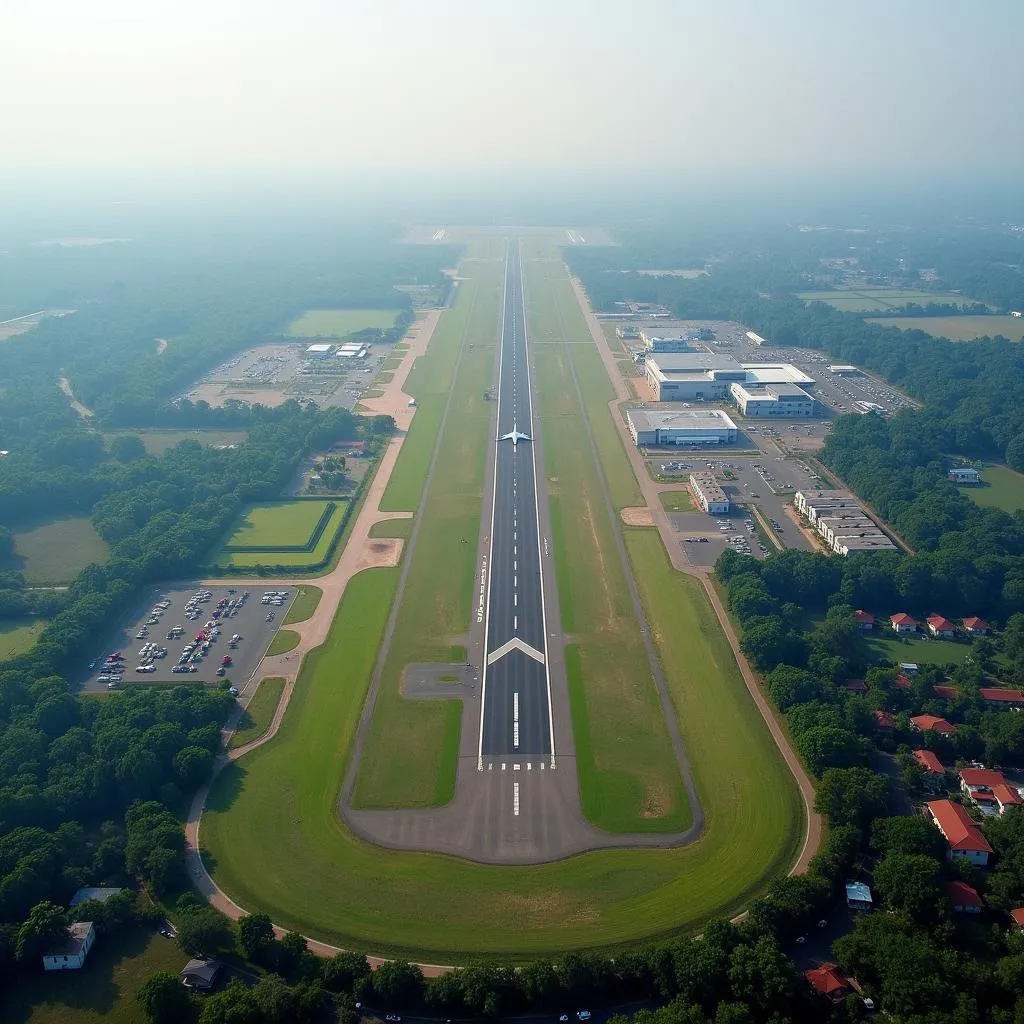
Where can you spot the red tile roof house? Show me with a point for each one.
(998, 697)
(828, 982)
(884, 720)
(932, 723)
(856, 686)
(960, 831)
(934, 773)
(901, 622)
(1017, 915)
(976, 626)
(965, 898)
(1006, 796)
(946, 692)
(903, 682)
(865, 620)
(939, 625)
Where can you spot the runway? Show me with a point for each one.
(516, 710)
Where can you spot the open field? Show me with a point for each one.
(285, 640)
(257, 716)
(530, 236)
(104, 991)
(273, 835)
(678, 501)
(872, 300)
(338, 323)
(1004, 488)
(629, 777)
(400, 528)
(52, 552)
(158, 441)
(277, 525)
(921, 649)
(283, 524)
(18, 635)
(957, 328)
(411, 749)
(305, 602)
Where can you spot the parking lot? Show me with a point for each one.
(168, 638)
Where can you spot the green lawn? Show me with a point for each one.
(400, 528)
(275, 842)
(158, 441)
(877, 300)
(304, 603)
(289, 559)
(677, 501)
(51, 553)
(629, 777)
(18, 635)
(337, 323)
(285, 640)
(1004, 488)
(887, 646)
(258, 714)
(103, 991)
(410, 754)
(277, 524)
(957, 328)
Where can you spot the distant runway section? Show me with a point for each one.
(515, 711)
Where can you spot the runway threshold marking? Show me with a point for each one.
(515, 719)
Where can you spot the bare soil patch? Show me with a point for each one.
(639, 516)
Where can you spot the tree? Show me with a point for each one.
(827, 747)
(851, 796)
(910, 882)
(398, 985)
(256, 936)
(341, 972)
(47, 924)
(203, 930)
(128, 448)
(164, 999)
(903, 834)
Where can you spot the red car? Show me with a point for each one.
(226, 660)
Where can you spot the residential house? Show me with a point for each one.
(903, 682)
(989, 790)
(940, 626)
(976, 627)
(965, 898)
(1017, 916)
(909, 667)
(1006, 796)
(960, 831)
(858, 896)
(856, 686)
(101, 895)
(964, 475)
(865, 620)
(934, 775)
(201, 974)
(945, 692)
(1001, 697)
(884, 720)
(69, 954)
(932, 723)
(901, 622)
(828, 982)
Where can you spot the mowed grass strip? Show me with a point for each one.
(409, 759)
(291, 559)
(400, 528)
(52, 552)
(629, 776)
(277, 524)
(259, 712)
(337, 323)
(274, 841)
(304, 603)
(285, 640)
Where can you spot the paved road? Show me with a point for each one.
(515, 718)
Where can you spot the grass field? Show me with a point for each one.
(400, 528)
(303, 604)
(878, 300)
(1004, 488)
(51, 553)
(338, 323)
(158, 441)
(272, 834)
(280, 524)
(18, 635)
(629, 777)
(677, 501)
(256, 718)
(282, 521)
(923, 651)
(957, 328)
(285, 640)
(410, 754)
(103, 992)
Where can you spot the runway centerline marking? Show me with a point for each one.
(515, 798)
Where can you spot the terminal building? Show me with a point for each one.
(652, 429)
(772, 400)
(707, 491)
(842, 521)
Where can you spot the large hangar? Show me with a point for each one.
(662, 429)
(703, 377)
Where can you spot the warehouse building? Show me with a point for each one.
(669, 341)
(772, 400)
(754, 339)
(705, 377)
(317, 351)
(845, 370)
(842, 521)
(707, 491)
(661, 429)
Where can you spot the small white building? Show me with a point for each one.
(964, 475)
(70, 954)
(707, 491)
(754, 339)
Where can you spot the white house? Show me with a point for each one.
(70, 954)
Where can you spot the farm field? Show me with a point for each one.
(285, 640)
(920, 649)
(957, 328)
(257, 716)
(871, 300)
(1004, 488)
(273, 835)
(629, 777)
(410, 755)
(102, 993)
(18, 635)
(338, 323)
(304, 603)
(287, 524)
(51, 553)
(157, 442)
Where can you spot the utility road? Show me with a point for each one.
(515, 711)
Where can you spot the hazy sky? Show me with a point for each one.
(208, 85)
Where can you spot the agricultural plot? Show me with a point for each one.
(957, 328)
(295, 534)
(51, 553)
(339, 323)
(1003, 488)
(876, 300)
